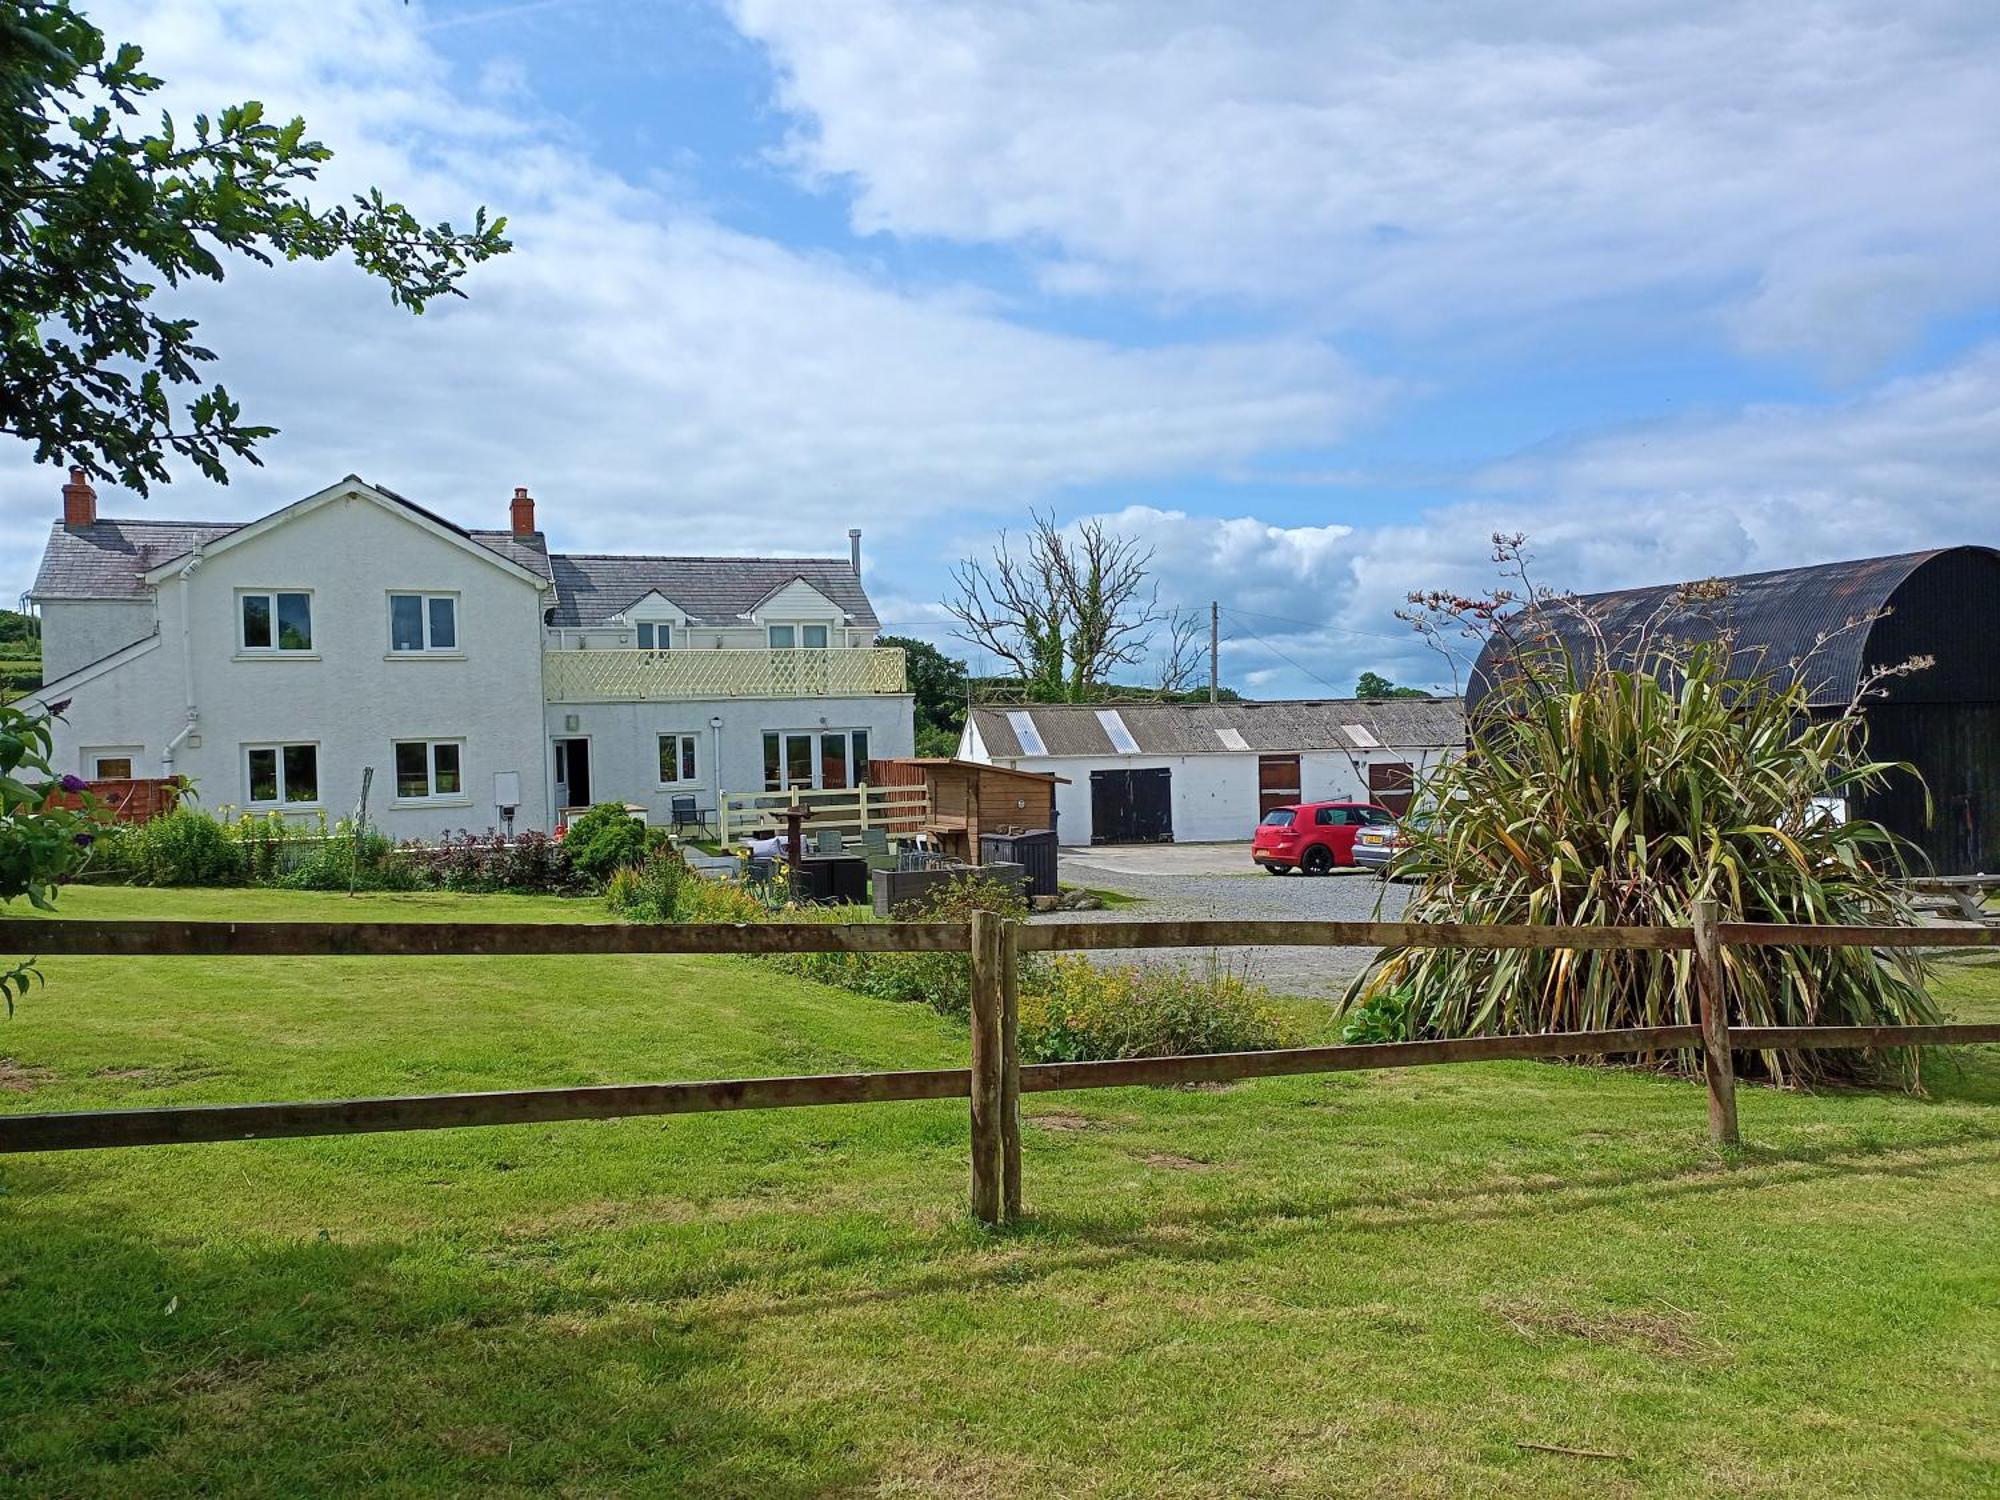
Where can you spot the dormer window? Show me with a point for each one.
(423, 622)
(791, 637)
(655, 635)
(275, 621)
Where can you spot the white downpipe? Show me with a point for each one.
(187, 667)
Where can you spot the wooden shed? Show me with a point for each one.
(968, 800)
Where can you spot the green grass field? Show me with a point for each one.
(1372, 1284)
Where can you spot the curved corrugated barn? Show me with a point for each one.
(1945, 721)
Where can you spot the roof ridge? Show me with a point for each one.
(152, 521)
(698, 557)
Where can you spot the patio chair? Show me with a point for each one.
(687, 813)
(828, 841)
(875, 849)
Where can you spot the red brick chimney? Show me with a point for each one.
(79, 502)
(521, 513)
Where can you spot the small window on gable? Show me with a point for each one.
(423, 622)
(813, 637)
(784, 637)
(655, 635)
(274, 621)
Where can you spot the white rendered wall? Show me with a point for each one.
(350, 695)
(76, 632)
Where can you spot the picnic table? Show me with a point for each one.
(1962, 895)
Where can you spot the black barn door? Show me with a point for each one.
(1132, 807)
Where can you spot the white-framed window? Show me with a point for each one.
(655, 635)
(280, 775)
(423, 622)
(429, 770)
(274, 620)
(826, 759)
(790, 637)
(677, 759)
(111, 762)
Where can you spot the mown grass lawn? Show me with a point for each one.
(1360, 1284)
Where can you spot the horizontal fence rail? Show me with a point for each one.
(996, 1079)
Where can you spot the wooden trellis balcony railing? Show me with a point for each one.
(647, 676)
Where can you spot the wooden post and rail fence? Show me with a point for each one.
(996, 1078)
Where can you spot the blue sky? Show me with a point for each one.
(1313, 298)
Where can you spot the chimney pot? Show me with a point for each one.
(521, 512)
(854, 548)
(79, 500)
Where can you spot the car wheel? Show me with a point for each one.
(1277, 869)
(1318, 860)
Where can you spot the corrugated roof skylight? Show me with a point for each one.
(1360, 735)
(1114, 728)
(1232, 738)
(1025, 731)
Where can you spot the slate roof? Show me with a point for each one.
(108, 559)
(591, 588)
(1197, 728)
(530, 551)
(1775, 616)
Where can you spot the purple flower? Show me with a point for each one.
(75, 784)
(85, 840)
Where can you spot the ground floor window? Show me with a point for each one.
(279, 775)
(111, 763)
(676, 759)
(428, 768)
(827, 759)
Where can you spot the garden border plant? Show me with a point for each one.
(1613, 782)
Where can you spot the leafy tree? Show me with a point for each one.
(937, 682)
(1375, 685)
(95, 220)
(18, 630)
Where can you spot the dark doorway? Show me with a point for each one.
(1389, 784)
(572, 773)
(1132, 807)
(1278, 783)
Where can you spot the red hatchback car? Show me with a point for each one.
(1313, 836)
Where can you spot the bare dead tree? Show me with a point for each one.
(1064, 612)
(1181, 661)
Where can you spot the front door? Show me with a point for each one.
(1278, 783)
(572, 773)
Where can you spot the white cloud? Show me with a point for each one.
(1913, 463)
(659, 380)
(1817, 174)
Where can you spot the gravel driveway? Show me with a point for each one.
(1186, 882)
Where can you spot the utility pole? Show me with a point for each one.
(1214, 646)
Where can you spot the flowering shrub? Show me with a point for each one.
(529, 864)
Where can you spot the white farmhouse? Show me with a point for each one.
(273, 662)
(1200, 772)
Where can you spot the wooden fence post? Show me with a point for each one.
(988, 1047)
(1010, 1071)
(1714, 1000)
